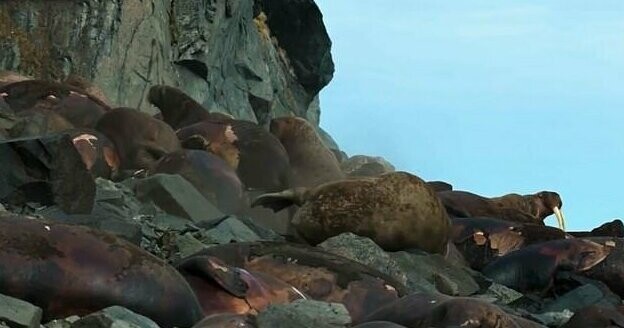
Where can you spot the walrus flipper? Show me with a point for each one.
(280, 200)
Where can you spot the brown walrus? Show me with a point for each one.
(140, 139)
(614, 228)
(209, 174)
(73, 270)
(8, 77)
(97, 151)
(221, 288)
(511, 207)
(317, 274)
(80, 82)
(482, 240)
(311, 162)
(259, 158)
(611, 270)
(34, 123)
(177, 108)
(396, 210)
(421, 310)
(533, 268)
(26, 94)
(596, 316)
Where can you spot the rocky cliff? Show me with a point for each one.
(253, 59)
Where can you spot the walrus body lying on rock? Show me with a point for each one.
(512, 207)
(396, 210)
(140, 140)
(72, 270)
(533, 268)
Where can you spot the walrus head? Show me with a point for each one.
(546, 203)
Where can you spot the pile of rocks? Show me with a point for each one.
(383, 246)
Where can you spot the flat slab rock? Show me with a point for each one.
(114, 317)
(16, 313)
(174, 195)
(304, 314)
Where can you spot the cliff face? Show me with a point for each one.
(253, 59)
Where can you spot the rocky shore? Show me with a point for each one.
(161, 165)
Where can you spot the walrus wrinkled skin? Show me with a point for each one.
(209, 174)
(258, 157)
(482, 240)
(533, 268)
(221, 288)
(436, 310)
(511, 207)
(140, 139)
(396, 210)
(317, 274)
(311, 162)
(72, 270)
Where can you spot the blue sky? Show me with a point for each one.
(491, 96)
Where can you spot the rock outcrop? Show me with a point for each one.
(252, 59)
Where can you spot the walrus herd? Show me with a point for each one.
(286, 168)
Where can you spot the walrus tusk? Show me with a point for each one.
(560, 218)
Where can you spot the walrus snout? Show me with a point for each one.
(591, 253)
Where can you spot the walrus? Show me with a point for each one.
(596, 316)
(221, 288)
(482, 240)
(472, 313)
(8, 77)
(424, 310)
(80, 82)
(34, 123)
(611, 270)
(97, 151)
(209, 174)
(511, 207)
(311, 162)
(177, 108)
(4, 107)
(73, 270)
(396, 210)
(260, 160)
(140, 139)
(317, 274)
(24, 95)
(614, 228)
(533, 268)
(439, 186)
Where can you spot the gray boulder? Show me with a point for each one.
(365, 251)
(304, 314)
(16, 313)
(114, 317)
(173, 194)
